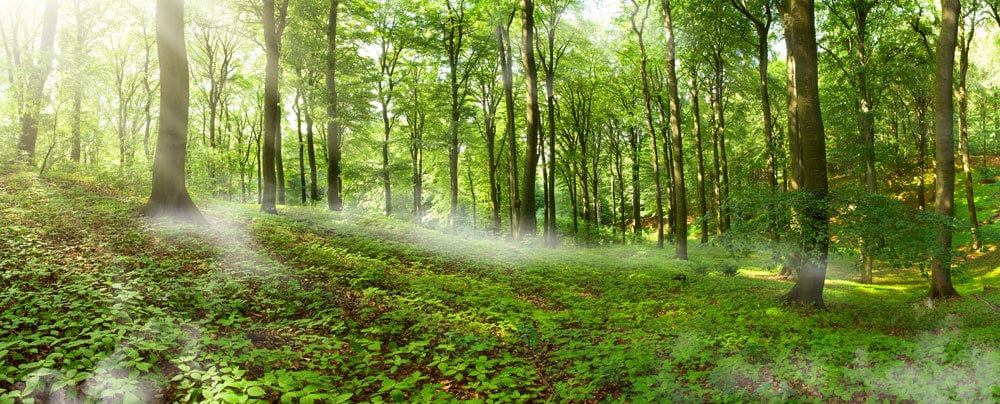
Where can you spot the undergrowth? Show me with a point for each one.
(99, 304)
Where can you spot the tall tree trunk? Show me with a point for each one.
(968, 31)
(36, 83)
(169, 196)
(472, 192)
(716, 168)
(507, 68)
(762, 25)
(279, 161)
(699, 155)
(720, 123)
(386, 180)
(679, 194)
(636, 193)
(795, 180)
(454, 37)
(944, 151)
(271, 149)
(639, 29)
(417, 121)
(80, 55)
(550, 61)
(922, 129)
(808, 289)
(529, 224)
(335, 200)
(302, 148)
(147, 109)
(489, 102)
(311, 151)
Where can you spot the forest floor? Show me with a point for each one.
(100, 304)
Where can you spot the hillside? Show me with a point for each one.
(98, 303)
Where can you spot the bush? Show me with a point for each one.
(729, 268)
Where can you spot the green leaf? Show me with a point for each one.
(256, 391)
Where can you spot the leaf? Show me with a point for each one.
(256, 391)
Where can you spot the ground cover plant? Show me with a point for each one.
(100, 304)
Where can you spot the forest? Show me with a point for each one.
(499, 201)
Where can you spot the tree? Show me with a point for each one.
(967, 31)
(506, 59)
(639, 27)
(761, 16)
(387, 21)
(454, 41)
(699, 154)
(528, 223)
(944, 150)
(334, 136)
(812, 206)
(489, 101)
(169, 195)
(273, 27)
(862, 43)
(28, 76)
(550, 56)
(680, 197)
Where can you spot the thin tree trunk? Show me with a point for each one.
(922, 129)
(967, 32)
(639, 29)
(699, 155)
(271, 149)
(529, 224)
(944, 109)
(335, 200)
(302, 148)
(679, 194)
(506, 64)
(81, 62)
(636, 193)
(386, 180)
(453, 38)
(279, 161)
(311, 151)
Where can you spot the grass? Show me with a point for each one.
(99, 304)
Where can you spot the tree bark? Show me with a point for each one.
(968, 31)
(272, 50)
(334, 185)
(507, 68)
(814, 218)
(634, 143)
(944, 151)
(454, 36)
(311, 150)
(679, 194)
(302, 147)
(639, 29)
(36, 83)
(80, 54)
(489, 100)
(699, 155)
(528, 223)
(762, 26)
(169, 196)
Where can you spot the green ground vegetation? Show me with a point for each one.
(100, 304)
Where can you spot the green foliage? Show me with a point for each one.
(310, 306)
(875, 225)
